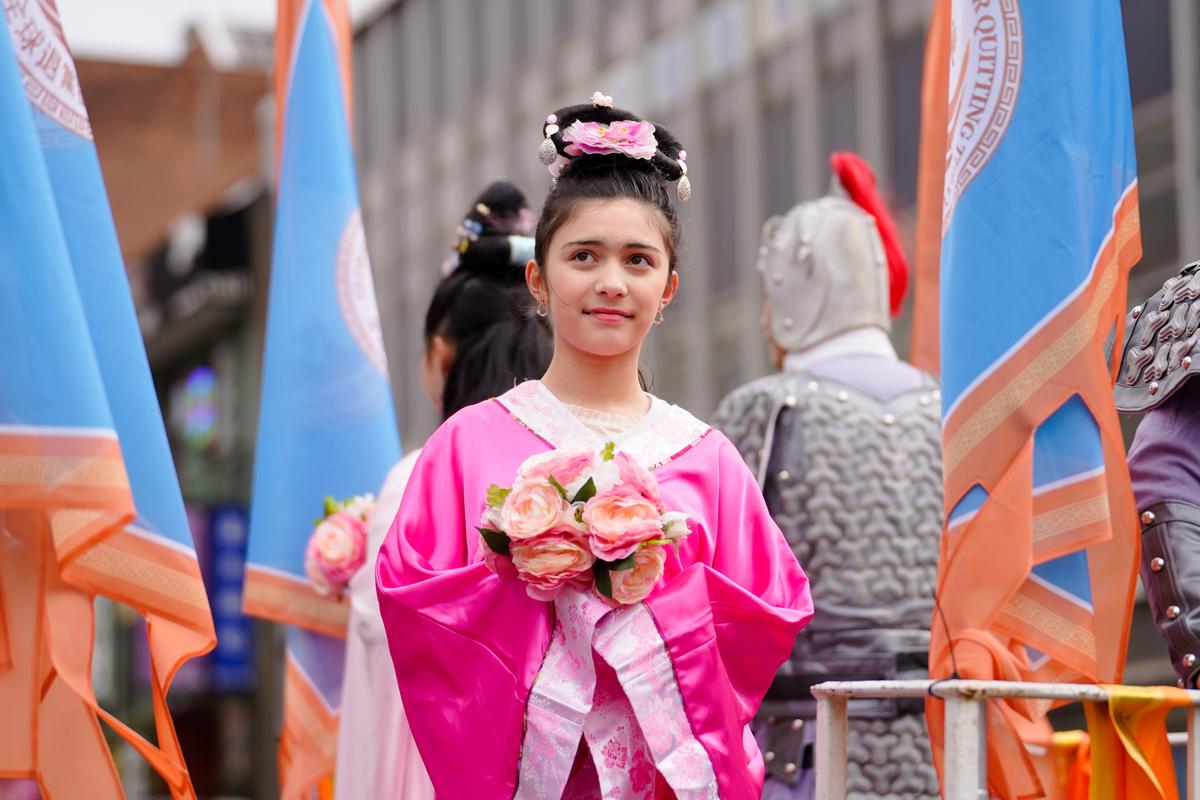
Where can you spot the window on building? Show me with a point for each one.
(779, 157)
(481, 45)
(839, 117)
(1160, 242)
(565, 16)
(721, 166)
(518, 24)
(905, 64)
(436, 72)
(1147, 47)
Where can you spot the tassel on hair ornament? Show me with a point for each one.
(683, 190)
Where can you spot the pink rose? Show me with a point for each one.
(531, 508)
(567, 467)
(639, 479)
(549, 561)
(336, 550)
(631, 586)
(618, 521)
(489, 518)
(625, 136)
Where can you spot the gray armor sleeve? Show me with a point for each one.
(746, 417)
(1171, 575)
(1161, 340)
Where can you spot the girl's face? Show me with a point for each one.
(606, 278)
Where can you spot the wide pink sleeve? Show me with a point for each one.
(465, 644)
(731, 618)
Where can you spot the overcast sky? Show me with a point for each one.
(153, 30)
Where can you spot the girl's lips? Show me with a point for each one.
(609, 316)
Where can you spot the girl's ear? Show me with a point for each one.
(671, 289)
(533, 279)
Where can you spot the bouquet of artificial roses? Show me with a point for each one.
(584, 518)
(337, 547)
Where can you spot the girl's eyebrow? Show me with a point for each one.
(602, 243)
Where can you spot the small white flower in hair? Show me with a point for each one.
(601, 100)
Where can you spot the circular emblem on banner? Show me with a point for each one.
(47, 69)
(985, 76)
(356, 292)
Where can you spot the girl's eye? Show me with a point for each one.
(639, 260)
(583, 256)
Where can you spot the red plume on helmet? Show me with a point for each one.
(858, 180)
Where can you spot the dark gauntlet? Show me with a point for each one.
(1171, 577)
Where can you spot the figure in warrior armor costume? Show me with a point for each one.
(1159, 358)
(845, 440)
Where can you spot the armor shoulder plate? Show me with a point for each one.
(1160, 349)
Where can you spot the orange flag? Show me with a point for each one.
(89, 501)
(931, 176)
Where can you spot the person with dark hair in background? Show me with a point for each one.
(1160, 358)
(481, 337)
(621, 644)
(845, 441)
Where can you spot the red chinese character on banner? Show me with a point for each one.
(49, 62)
(31, 36)
(68, 81)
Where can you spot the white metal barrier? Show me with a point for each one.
(965, 754)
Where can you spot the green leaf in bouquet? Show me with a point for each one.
(649, 542)
(497, 541)
(331, 505)
(554, 482)
(586, 492)
(603, 579)
(497, 494)
(628, 562)
(609, 452)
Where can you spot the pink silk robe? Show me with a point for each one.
(467, 645)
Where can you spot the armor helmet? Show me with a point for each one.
(832, 264)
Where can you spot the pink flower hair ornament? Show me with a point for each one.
(631, 138)
(620, 137)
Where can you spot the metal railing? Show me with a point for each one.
(965, 752)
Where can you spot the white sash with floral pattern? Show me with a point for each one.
(631, 715)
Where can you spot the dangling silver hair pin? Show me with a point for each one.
(683, 190)
(547, 153)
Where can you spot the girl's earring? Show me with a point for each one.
(543, 309)
(658, 318)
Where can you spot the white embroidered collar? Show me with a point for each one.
(655, 439)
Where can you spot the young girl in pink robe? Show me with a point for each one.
(511, 696)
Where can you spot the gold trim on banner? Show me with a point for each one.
(89, 472)
(293, 602)
(145, 573)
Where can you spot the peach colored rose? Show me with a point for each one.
(549, 561)
(631, 586)
(618, 521)
(568, 467)
(639, 479)
(336, 550)
(531, 508)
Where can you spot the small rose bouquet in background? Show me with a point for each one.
(583, 518)
(337, 547)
